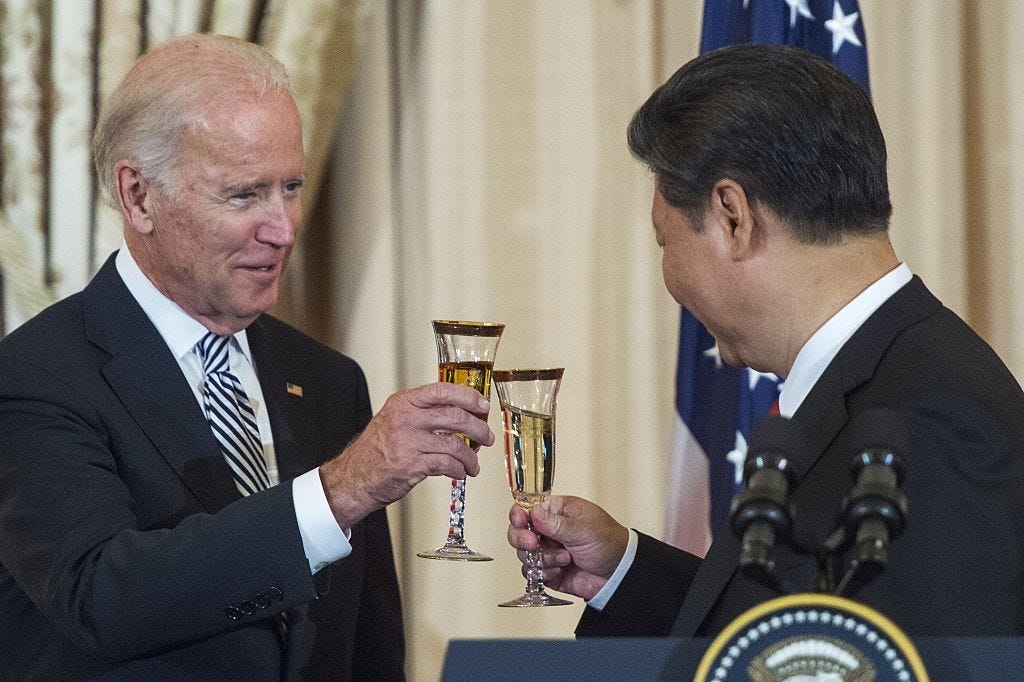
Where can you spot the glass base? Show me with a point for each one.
(536, 599)
(455, 553)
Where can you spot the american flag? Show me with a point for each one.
(717, 405)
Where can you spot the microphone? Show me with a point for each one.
(760, 514)
(876, 510)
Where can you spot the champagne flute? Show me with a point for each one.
(527, 398)
(465, 355)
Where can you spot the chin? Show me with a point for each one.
(252, 313)
(247, 315)
(260, 301)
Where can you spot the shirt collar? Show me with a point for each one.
(825, 343)
(179, 330)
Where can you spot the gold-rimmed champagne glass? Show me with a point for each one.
(527, 398)
(465, 355)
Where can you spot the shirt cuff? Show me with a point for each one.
(600, 600)
(323, 540)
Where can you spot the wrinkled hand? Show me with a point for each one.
(582, 545)
(412, 437)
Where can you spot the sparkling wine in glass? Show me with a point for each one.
(527, 398)
(465, 355)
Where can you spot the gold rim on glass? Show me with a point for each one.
(507, 375)
(467, 328)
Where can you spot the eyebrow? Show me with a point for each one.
(245, 188)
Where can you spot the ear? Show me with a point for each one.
(731, 213)
(134, 196)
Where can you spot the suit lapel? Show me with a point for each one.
(282, 406)
(146, 377)
(822, 415)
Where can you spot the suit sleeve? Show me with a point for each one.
(648, 599)
(71, 537)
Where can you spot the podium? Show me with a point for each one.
(654, 658)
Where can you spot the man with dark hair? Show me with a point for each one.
(189, 488)
(771, 206)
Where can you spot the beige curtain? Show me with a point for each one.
(480, 173)
(475, 167)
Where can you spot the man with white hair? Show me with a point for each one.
(189, 487)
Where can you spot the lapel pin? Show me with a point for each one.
(294, 389)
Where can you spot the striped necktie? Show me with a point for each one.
(231, 416)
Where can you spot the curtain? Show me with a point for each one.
(499, 187)
(468, 159)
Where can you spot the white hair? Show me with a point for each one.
(169, 88)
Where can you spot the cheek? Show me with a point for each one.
(295, 216)
(179, 243)
(673, 272)
(223, 239)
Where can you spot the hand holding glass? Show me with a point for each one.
(465, 355)
(527, 398)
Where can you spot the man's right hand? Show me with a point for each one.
(412, 437)
(581, 543)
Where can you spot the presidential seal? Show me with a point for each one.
(804, 637)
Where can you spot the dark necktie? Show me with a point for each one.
(231, 416)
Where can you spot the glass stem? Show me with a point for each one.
(457, 515)
(534, 567)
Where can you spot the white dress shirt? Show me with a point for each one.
(323, 540)
(810, 364)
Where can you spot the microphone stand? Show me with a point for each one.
(873, 515)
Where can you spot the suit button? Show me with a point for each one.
(262, 600)
(247, 607)
(275, 594)
(234, 613)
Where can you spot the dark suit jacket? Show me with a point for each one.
(125, 550)
(957, 568)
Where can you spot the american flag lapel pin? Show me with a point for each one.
(293, 389)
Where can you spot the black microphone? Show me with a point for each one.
(875, 512)
(760, 514)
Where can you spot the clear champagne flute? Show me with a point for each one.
(465, 355)
(527, 398)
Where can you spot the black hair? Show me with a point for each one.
(793, 130)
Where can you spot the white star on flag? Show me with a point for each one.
(715, 355)
(738, 456)
(753, 376)
(798, 6)
(841, 26)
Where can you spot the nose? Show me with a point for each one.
(280, 221)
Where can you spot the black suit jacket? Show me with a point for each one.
(125, 549)
(957, 568)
